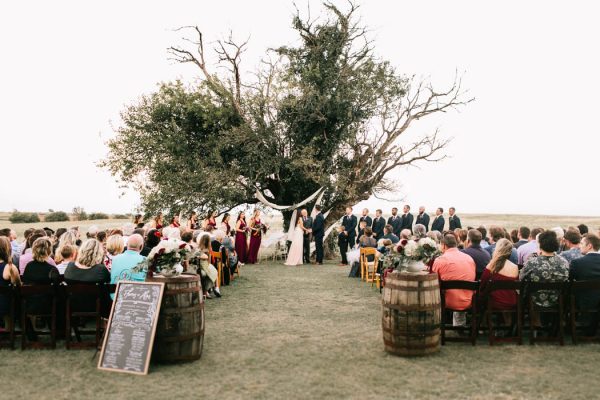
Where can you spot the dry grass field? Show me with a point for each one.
(309, 332)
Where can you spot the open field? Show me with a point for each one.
(310, 332)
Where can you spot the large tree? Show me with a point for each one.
(326, 113)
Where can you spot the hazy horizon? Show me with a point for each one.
(523, 147)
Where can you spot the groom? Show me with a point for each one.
(308, 223)
(318, 233)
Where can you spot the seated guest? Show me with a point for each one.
(68, 254)
(454, 265)
(361, 230)
(480, 256)
(67, 238)
(208, 273)
(216, 239)
(583, 229)
(461, 234)
(405, 234)
(188, 237)
(514, 236)
(9, 273)
(40, 270)
(123, 263)
(530, 248)
(27, 255)
(522, 236)
(500, 268)
(153, 238)
(388, 234)
(571, 242)
(587, 268)
(114, 247)
(546, 267)
(92, 232)
(229, 246)
(89, 268)
(497, 233)
(484, 237)
(367, 239)
(435, 235)
(420, 231)
(128, 229)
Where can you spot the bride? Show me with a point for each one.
(297, 248)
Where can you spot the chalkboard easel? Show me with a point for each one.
(129, 335)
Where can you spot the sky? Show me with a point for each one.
(528, 144)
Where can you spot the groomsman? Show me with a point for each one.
(349, 224)
(365, 217)
(438, 222)
(407, 219)
(318, 233)
(454, 220)
(423, 218)
(395, 222)
(378, 225)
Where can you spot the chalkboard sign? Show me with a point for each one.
(130, 332)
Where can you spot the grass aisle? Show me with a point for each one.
(309, 332)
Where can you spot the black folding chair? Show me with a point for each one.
(491, 310)
(46, 297)
(471, 312)
(577, 287)
(11, 294)
(554, 330)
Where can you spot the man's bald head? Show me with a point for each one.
(135, 242)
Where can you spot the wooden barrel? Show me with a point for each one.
(411, 314)
(180, 329)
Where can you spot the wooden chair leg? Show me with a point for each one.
(491, 335)
(573, 322)
(561, 332)
(53, 325)
(532, 328)
(519, 322)
(474, 326)
(23, 326)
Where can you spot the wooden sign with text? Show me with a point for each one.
(129, 336)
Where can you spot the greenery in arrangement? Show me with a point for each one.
(98, 215)
(18, 217)
(329, 112)
(56, 216)
(166, 257)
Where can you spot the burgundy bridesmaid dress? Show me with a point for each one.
(240, 244)
(255, 239)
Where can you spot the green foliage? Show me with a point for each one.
(79, 214)
(97, 215)
(56, 216)
(18, 217)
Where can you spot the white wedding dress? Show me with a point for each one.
(297, 248)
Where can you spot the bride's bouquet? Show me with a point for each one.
(166, 258)
(409, 252)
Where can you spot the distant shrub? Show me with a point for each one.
(79, 214)
(23, 217)
(56, 216)
(121, 216)
(97, 215)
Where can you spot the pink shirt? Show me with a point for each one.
(27, 258)
(454, 265)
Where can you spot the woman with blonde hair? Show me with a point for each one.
(67, 238)
(89, 266)
(208, 273)
(501, 268)
(114, 247)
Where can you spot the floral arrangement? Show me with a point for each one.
(166, 258)
(408, 251)
(258, 228)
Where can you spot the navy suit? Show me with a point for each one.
(349, 224)
(378, 225)
(396, 223)
(367, 219)
(423, 219)
(318, 233)
(587, 268)
(438, 224)
(455, 222)
(407, 222)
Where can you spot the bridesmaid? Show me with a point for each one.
(255, 237)
(225, 227)
(157, 223)
(210, 221)
(192, 222)
(240, 237)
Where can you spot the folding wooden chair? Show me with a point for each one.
(38, 292)
(11, 293)
(77, 294)
(371, 266)
(517, 312)
(577, 287)
(365, 252)
(558, 311)
(217, 261)
(471, 312)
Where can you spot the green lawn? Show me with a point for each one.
(309, 332)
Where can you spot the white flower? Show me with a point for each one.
(411, 248)
(427, 241)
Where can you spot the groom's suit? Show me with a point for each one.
(308, 224)
(318, 233)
